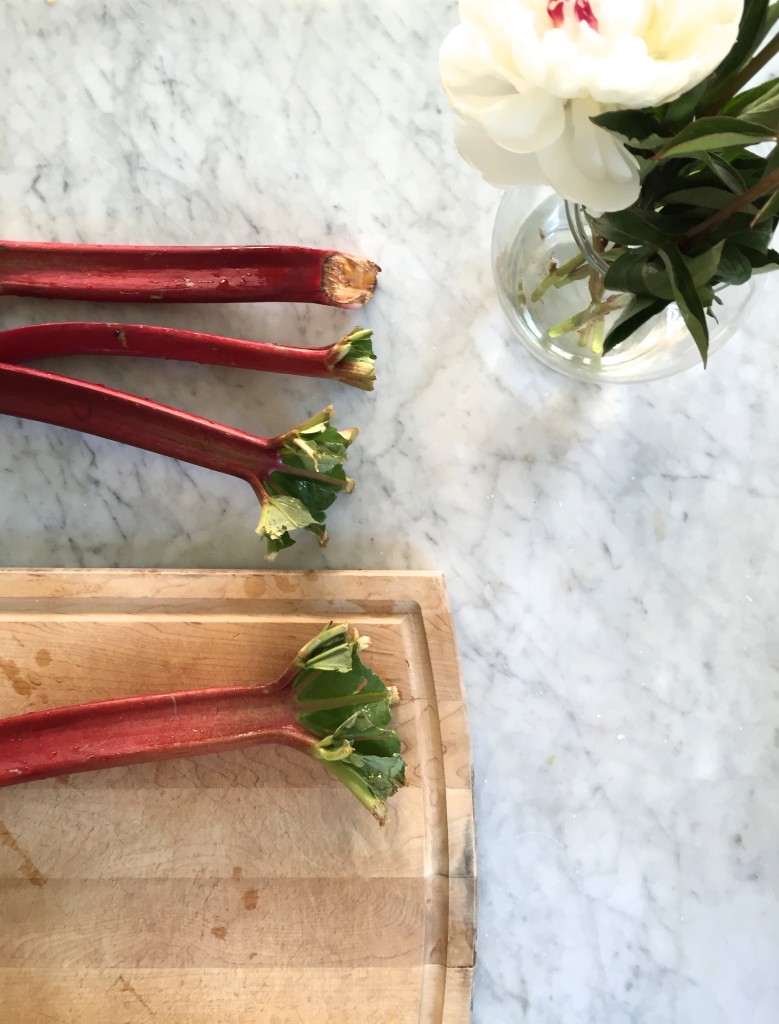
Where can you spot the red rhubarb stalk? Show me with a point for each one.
(130, 273)
(296, 476)
(327, 704)
(350, 360)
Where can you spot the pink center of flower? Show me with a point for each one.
(556, 11)
(582, 11)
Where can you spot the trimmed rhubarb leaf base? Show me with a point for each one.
(294, 502)
(355, 359)
(346, 704)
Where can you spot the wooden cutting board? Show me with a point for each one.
(239, 887)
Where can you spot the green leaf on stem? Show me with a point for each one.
(701, 268)
(750, 34)
(727, 174)
(642, 272)
(681, 110)
(282, 514)
(636, 314)
(354, 359)
(762, 100)
(333, 649)
(317, 443)
(293, 501)
(687, 299)
(727, 85)
(706, 197)
(316, 684)
(348, 707)
(772, 162)
(368, 722)
(626, 274)
(635, 226)
(762, 262)
(735, 267)
(316, 495)
(738, 229)
(670, 176)
(771, 18)
(708, 133)
(640, 128)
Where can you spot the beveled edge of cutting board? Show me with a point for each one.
(421, 597)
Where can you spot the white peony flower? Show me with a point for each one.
(526, 76)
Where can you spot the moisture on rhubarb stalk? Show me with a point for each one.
(298, 496)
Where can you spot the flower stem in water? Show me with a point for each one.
(575, 269)
(595, 313)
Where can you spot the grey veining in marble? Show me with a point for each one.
(611, 553)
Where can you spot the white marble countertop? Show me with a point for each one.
(611, 553)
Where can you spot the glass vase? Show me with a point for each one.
(549, 277)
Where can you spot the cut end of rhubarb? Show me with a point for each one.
(347, 706)
(348, 281)
(354, 360)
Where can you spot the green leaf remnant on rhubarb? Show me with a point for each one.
(348, 707)
(354, 359)
(293, 501)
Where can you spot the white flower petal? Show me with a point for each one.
(618, 164)
(474, 11)
(578, 175)
(675, 31)
(584, 138)
(625, 17)
(498, 166)
(524, 123)
(467, 67)
(509, 71)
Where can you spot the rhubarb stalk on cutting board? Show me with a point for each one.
(296, 476)
(350, 360)
(327, 704)
(131, 273)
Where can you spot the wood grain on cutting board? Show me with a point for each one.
(240, 887)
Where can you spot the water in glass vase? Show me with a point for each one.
(549, 275)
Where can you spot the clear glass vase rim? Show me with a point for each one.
(576, 215)
(582, 235)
